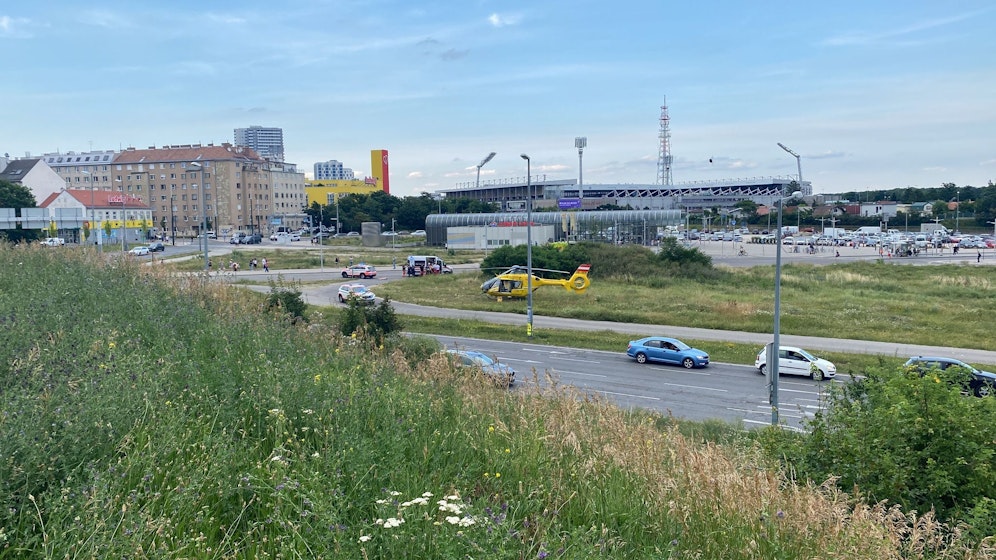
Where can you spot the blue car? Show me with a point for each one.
(666, 350)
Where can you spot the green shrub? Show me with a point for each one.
(286, 300)
(376, 321)
(910, 439)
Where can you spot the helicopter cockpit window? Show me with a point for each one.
(516, 284)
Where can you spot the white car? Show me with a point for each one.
(355, 291)
(294, 236)
(796, 361)
(140, 250)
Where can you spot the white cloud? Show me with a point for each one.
(106, 19)
(227, 18)
(14, 27)
(498, 20)
(894, 35)
(415, 175)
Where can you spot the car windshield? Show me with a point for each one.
(482, 360)
(358, 289)
(808, 356)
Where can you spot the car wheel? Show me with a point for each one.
(817, 374)
(983, 390)
(641, 358)
(344, 275)
(342, 299)
(763, 370)
(688, 363)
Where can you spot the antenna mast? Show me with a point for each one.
(664, 157)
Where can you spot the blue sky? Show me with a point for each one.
(871, 94)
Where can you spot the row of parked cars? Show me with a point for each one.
(796, 361)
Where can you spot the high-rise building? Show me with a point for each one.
(268, 142)
(332, 170)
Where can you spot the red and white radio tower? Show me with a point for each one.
(664, 155)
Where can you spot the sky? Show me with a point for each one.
(874, 94)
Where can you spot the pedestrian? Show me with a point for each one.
(337, 260)
(350, 261)
(836, 253)
(978, 256)
(394, 263)
(266, 265)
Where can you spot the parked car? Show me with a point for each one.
(156, 247)
(501, 374)
(253, 239)
(212, 235)
(237, 238)
(666, 350)
(796, 361)
(358, 292)
(277, 236)
(54, 241)
(295, 236)
(353, 234)
(980, 384)
(419, 233)
(140, 250)
(359, 271)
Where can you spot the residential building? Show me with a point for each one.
(268, 142)
(34, 174)
(332, 170)
(289, 198)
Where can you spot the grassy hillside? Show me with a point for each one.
(148, 416)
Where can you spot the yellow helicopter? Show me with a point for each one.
(513, 283)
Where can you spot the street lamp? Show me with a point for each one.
(580, 143)
(203, 213)
(529, 247)
(172, 219)
(477, 185)
(776, 345)
(94, 230)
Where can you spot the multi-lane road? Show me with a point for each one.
(730, 392)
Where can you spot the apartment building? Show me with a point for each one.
(267, 142)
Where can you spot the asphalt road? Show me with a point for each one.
(730, 392)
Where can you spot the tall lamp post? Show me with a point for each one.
(94, 230)
(203, 214)
(477, 187)
(776, 345)
(529, 247)
(172, 219)
(580, 143)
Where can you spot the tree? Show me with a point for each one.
(13, 195)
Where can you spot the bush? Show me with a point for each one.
(377, 321)
(910, 439)
(286, 300)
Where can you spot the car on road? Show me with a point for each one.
(156, 247)
(796, 361)
(666, 350)
(320, 236)
(359, 271)
(237, 238)
(353, 234)
(419, 233)
(294, 236)
(253, 239)
(501, 374)
(359, 292)
(981, 383)
(140, 250)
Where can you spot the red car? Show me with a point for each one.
(359, 271)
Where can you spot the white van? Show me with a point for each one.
(419, 264)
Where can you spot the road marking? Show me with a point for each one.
(505, 359)
(563, 371)
(629, 395)
(696, 387)
(577, 360)
(693, 372)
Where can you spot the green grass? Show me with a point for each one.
(145, 416)
(935, 305)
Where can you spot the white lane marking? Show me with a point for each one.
(696, 387)
(578, 360)
(506, 359)
(564, 371)
(629, 395)
(692, 372)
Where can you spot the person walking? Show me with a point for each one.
(394, 263)
(978, 256)
(266, 265)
